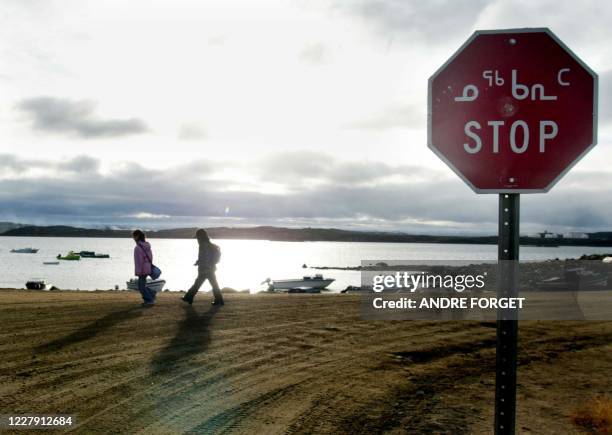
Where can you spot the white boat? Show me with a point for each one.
(24, 251)
(307, 282)
(156, 285)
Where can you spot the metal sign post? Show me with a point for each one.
(507, 319)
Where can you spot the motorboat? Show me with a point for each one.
(307, 282)
(92, 254)
(24, 251)
(71, 256)
(36, 284)
(156, 285)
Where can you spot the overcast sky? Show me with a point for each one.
(300, 113)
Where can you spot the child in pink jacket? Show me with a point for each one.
(143, 260)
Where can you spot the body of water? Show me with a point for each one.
(244, 263)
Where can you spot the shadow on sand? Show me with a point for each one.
(192, 337)
(89, 331)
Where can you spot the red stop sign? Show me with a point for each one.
(512, 110)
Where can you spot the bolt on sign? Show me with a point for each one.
(512, 111)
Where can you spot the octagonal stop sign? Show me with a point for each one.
(512, 111)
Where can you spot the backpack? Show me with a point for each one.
(215, 255)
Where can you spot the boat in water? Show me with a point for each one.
(315, 282)
(156, 285)
(50, 263)
(92, 254)
(36, 284)
(24, 251)
(71, 256)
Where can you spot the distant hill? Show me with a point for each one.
(5, 226)
(291, 235)
(250, 233)
(64, 231)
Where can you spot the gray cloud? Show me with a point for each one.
(133, 190)
(80, 164)
(337, 193)
(430, 21)
(10, 163)
(77, 118)
(300, 169)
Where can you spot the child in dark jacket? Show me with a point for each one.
(208, 257)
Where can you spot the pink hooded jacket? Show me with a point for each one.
(141, 262)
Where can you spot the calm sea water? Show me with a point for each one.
(244, 263)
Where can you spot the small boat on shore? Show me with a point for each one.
(24, 251)
(36, 284)
(71, 256)
(156, 285)
(307, 282)
(50, 263)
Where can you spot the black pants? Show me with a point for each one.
(203, 275)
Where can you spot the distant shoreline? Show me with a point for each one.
(281, 234)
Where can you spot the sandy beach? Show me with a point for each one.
(273, 363)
